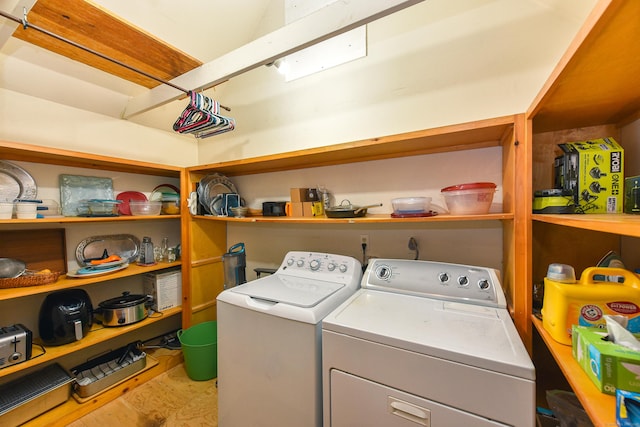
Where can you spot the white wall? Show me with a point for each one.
(372, 182)
(433, 64)
(31, 120)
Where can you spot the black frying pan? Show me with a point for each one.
(348, 210)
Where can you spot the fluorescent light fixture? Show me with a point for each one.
(327, 54)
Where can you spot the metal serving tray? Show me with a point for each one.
(98, 374)
(33, 394)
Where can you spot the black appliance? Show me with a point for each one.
(65, 316)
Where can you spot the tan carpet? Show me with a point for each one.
(170, 399)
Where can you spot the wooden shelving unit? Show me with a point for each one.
(65, 283)
(42, 355)
(206, 235)
(600, 407)
(97, 335)
(592, 93)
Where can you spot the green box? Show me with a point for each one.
(594, 171)
(610, 366)
(632, 195)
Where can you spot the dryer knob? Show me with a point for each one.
(290, 262)
(314, 264)
(332, 266)
(483, 284)
(463, 281)
(343, 268)
(300, 263)
(443, 277)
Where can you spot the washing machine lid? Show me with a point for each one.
(285, 289)
(475, 335)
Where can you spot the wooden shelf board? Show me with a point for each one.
(625, 224)
(53, 156)
(593, 82)
(478, 134)
(370, 218)
(600, 407)
(77, 219)
(97, 335)
(65, 283)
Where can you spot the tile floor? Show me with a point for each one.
(170, 399)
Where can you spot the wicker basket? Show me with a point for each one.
(30, 278)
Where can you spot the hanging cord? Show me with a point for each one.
(26, 24)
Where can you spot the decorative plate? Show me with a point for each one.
(16, 183)
(212, 186)
(87, 272)
(127, 246)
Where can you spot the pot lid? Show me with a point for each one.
(124, 301)
(470, 186)
(345, 205)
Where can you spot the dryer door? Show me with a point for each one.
(357, 401)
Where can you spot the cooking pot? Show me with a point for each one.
(124, 310)
(346, 210)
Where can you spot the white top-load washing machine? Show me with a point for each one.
(429, 344)
(269, 340)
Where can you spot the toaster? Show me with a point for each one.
(65, 316)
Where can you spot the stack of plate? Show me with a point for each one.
(211, 187)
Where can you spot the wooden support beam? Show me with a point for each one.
(334, 19)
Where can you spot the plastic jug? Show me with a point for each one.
(234, 263)
(585, 302)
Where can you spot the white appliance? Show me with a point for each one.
(426, 344)
(269, 340)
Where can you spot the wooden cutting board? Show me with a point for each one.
(39, 249)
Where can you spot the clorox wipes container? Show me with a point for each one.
(568, 302)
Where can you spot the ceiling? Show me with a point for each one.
(137, 46)
(162, 38)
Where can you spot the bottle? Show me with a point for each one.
(325, 197)
(164, 254)
(146, 252)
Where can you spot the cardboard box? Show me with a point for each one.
(610, 366)
(296, 209)
(298, 195)
(165, 288)
(594, 171)
(307, 208)
(627, 408)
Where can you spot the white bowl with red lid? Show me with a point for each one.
(472, 198)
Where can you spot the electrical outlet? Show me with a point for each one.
(364, 239)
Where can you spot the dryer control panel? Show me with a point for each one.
(440, 280)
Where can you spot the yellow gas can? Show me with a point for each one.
(585, 302)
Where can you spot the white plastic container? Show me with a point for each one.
(411, 205)
(27, 210)
(469, 199)
(6, 210)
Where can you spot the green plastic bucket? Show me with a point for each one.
(200, 349)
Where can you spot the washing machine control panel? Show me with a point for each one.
(455, 282)
(321, 266)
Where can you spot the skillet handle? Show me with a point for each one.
(366, 207)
